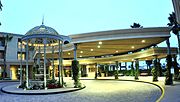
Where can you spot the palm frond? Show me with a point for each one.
(1, 5)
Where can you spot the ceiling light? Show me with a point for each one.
(92, 49)
(132, 47)
(100, 43)
(143, 41)
(98, 46)
(117, 51)
(81, 51)
(80, 56)
(69, 53)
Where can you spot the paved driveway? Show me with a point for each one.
(95, 91)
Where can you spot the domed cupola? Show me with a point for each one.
(42, 29)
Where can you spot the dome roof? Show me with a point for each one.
(42, 29)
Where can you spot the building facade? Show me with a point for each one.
(93, 50)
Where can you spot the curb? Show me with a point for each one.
(42, 93)
(1, 81)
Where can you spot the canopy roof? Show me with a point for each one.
(38, 34)
(42, 29)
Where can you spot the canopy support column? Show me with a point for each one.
(53, 74)
(59, 58)
(27, 57)
(61, 63)
(96, 72)
(45, 41)
(21, 79)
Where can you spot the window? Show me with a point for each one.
(1, 55)
(19, 44)
(1, 41)
(19, 56)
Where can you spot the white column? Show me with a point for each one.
(61, 63)
(39, 51)
(59, 57)
(27, 57)
(53, 74)
(21, 66)
(75, 53)
(45, 41)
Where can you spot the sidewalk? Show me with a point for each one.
(172, 92)
(12, 89)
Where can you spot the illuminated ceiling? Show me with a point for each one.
(114, 43)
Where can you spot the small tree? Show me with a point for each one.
(154, 71)
(168, 80)
(7, 39)
(137, 70)
(75, 70)
(136, 25)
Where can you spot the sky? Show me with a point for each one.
(82, 16)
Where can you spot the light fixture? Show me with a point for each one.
(117, 51)
(132, 47)
(100, 43)
(69, 53)
(80, 56)
(143, 41)
(81, 51)
(92, 49)
(99, 46)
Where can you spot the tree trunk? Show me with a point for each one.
(176, 70)
(168, 80)
(178, 44)
(4, 72)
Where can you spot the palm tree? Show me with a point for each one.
(136, 25)
(1, 5)
(7, 39)
(175, 27)
(0, 8)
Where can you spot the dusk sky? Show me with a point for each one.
(82, 16)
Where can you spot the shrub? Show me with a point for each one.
(51, 84)
(155, 74)
(75, 70)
